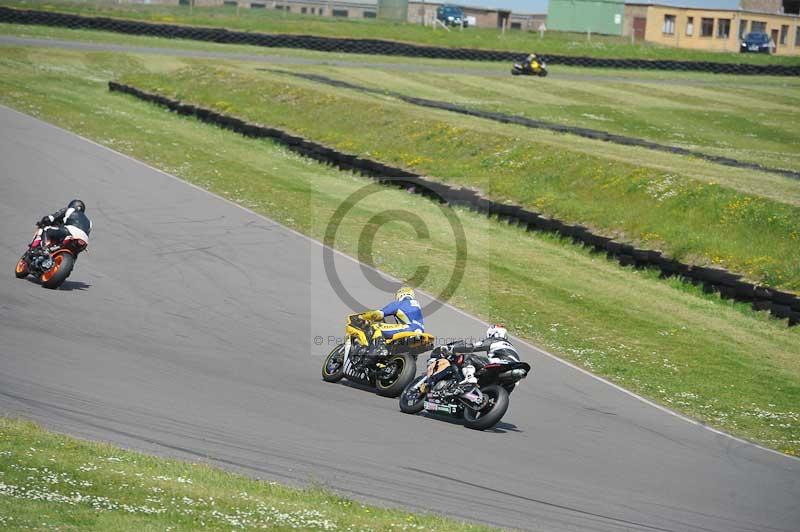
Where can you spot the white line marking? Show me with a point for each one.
(458, 310)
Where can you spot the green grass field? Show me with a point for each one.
(717, 361)
(271, 21)
(688, 208)
(53, 482)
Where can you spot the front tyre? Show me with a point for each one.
(543, 73)
(21, 270)
(404, 367)
(63, 262)
(411, 400)
(333, 367)
(492, 413)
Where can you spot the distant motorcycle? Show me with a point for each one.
(532, 66)
(481, 406)
(390, 374)
(51, 263)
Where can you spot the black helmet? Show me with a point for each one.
(77, 204)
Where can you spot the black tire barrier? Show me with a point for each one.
(593, 134)
(366, 46)
(782, 305)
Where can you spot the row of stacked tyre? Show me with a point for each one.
(364, 46)
(729, 285)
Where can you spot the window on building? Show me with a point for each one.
(340, 13)
(303, 10)
(706, 27)
(278, 6)
(669, 24)
(230, 3)
(256, 6)
(689, 26)
(742, 29)
(758, 27)
(370, 14)
(723, 28)
(784, 33)
(797, 36)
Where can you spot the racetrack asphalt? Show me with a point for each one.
(188, 329)
(399, 64)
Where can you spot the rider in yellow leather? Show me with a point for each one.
(408, 312)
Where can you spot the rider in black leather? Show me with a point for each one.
(71, 220)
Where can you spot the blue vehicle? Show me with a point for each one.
(759, 43)
(451, 15)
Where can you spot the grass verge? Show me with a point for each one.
(695, 220)
(717, 361)
(274, 21)
(50, 481)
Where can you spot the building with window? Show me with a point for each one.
(713, 29)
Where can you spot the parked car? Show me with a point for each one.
(451, 15)
(757, 43)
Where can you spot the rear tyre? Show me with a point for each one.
(515, 72)
(543, 73)
(405, 369)
(491, 414)
(21, 270)
(333, 366)
(63, 263)
(411, 401)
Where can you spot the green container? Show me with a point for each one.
(393, 10)
(597, 16)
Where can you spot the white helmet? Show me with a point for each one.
(497, 331)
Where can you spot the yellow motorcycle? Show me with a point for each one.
(532, 66)
(390, 374)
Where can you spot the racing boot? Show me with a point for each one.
(469, 375)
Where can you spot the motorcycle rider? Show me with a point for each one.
(69, 221)
(465, 369)
(526, 65)
(408, 312)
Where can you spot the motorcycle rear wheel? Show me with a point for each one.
(333, 366)
(21, 270)
(63, 262)
(411, 405)
(542, 73)
(490, 415)
(394, 386)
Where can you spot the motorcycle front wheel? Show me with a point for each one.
(411, 400)
(404, 367)
(22, 268)
(492, 413)
(333, 367)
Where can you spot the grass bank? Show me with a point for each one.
(714, 360)
(50, 481)
(274, 21)
(701, 221)
(734, 117)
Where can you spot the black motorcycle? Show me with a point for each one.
(389, 374)
(480, 405)
(50, 262)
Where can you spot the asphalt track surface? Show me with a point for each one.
(398, 65)
(188, 330)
